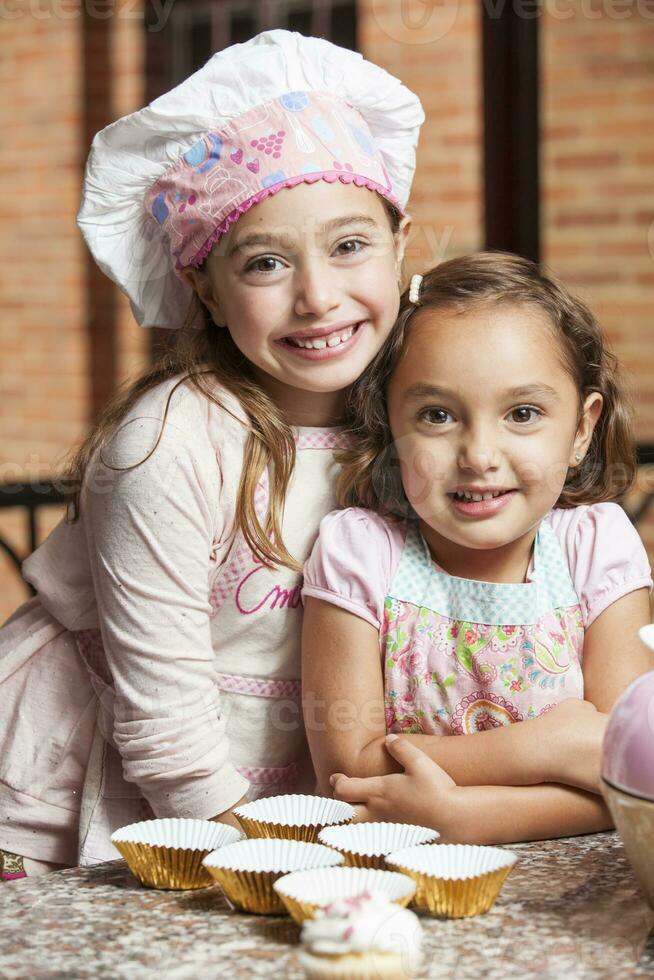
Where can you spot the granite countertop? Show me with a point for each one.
(570, 909)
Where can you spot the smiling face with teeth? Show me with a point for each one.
(486, 421)
(307, 284)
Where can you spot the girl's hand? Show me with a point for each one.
(573, 734)
(423, 794)
(228, 817)
(426, 795)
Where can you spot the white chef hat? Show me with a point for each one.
(164, 183)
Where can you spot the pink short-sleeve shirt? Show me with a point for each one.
(460, 655)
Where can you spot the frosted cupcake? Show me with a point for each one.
(362, 938)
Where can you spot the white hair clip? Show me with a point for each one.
(414, 289)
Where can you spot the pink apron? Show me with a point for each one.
(461, 656)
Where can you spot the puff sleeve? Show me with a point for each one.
(353, 562)
(606, 557)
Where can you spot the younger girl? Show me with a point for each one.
(512, 589)
(157, 669)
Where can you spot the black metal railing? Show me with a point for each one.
(29, 498)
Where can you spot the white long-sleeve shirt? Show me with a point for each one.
(159, 660)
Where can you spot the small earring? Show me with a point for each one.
(577, 457)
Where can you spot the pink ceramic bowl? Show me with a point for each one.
(628, 756)
(628, 772)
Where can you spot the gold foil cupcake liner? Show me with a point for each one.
(353, 860)
(295, 890)
(168, 853)
(292, 817)
(299, 911)
(251, 891)
(455, 881)
(261, 828)
(166, 867)
(457, 898)
(365, 845)
(248, 870)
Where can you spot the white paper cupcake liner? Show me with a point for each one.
(201, 835)
(454, 861)
(455, 880)
(365, 845)
(303, 892)
(273, 855)
(168, 853)
(294, 816)
(248, 869)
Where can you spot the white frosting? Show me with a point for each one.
(363, 923)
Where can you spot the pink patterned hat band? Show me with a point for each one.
(300, 137)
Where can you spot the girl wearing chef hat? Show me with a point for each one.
(258, 208)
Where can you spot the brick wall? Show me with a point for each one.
(45, 380)
(435, 50)
(43, 365)
(63, 77)
(598, 174)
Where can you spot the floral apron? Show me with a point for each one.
(462, 656)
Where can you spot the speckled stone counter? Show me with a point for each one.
(570, 909)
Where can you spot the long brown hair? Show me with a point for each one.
(205, 357)
(370, 476)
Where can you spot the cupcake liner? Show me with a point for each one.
(293, 817)
(454, 880)
(365, 845)
(248, 869)
(168, 853)
(303, 892)
(355, 966)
